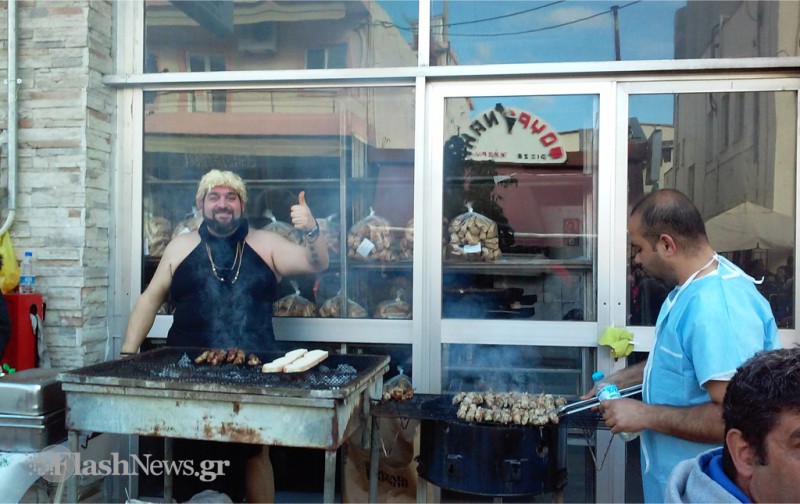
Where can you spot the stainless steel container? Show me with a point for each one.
(31, 392)
(32, 410)
(26, 433)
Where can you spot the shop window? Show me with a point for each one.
(746, 196)
(267, 35)
(519, 214)
(465, 32)
(284, 142)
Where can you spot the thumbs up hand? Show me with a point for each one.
(302, 218)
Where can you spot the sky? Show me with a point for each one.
(493, 31)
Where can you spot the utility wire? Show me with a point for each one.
(385, 24)
(545, 28)
(389, 24)
(449, 25)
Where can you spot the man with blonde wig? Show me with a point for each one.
(222, 280)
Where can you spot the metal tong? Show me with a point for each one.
(586, 404)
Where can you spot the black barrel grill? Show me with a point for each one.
(484, 458)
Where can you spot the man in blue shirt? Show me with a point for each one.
(760, 461)
(712, 321)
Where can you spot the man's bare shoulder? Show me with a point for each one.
(180, 247)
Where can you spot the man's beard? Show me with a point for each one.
(222, 229)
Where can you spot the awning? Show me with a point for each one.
(749, 226)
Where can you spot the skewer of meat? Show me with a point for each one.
(200, 359)
(231, 355)
(253, 360)
(238, 357)
(219, 357)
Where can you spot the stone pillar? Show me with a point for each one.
(66, 121)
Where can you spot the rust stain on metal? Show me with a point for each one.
(335, 426)
(236, 407)
(232, 432)
(241, 434)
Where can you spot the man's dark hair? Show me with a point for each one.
(763, 387)
(667, 211)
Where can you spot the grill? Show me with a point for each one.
(164, 393)
(174, 368)
(480, 458)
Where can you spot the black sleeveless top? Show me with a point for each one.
(221, 314)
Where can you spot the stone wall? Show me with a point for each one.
(63, 180)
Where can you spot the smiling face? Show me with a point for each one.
(222, 210)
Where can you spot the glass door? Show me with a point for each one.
(515, 239)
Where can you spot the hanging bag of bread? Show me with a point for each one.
(406, 246)
(294, 305)
(157, 234)
(395, 308)
(191, 222)
(332, 308)
(282, 228)
(370, 239)
(330, 225)
(473, 236)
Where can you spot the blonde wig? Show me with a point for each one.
(218, 178)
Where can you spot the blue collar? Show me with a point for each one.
(713, 470)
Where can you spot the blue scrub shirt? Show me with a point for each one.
(717, 322)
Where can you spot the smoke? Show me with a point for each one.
(511, 368)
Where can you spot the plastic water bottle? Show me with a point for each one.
(607, 390)
(26, 279)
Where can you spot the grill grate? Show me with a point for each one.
(176, 365)
(440, 407)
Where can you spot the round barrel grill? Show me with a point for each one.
(492, 459)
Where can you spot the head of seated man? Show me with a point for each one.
(760, 461)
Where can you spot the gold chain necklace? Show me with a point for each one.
(237, 263)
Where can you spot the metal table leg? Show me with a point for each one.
(330, 476)
(168, 474)
(72, 482)
(373, 461)
(132, 480)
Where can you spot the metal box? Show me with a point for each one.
(26, 433)
(31, 392)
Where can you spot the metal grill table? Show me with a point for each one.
(164, 393)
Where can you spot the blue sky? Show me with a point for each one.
(482, 32)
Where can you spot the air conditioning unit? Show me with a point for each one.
(259, 38)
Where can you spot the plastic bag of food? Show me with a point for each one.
(284, 229)
(294, 305)
(370, 239)
(9, 268)
(332, 308)
(473, 236)
(394, 308)
(157, 233)
(405, 249)
(330, 225)
(398, 388)
(190, 223)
